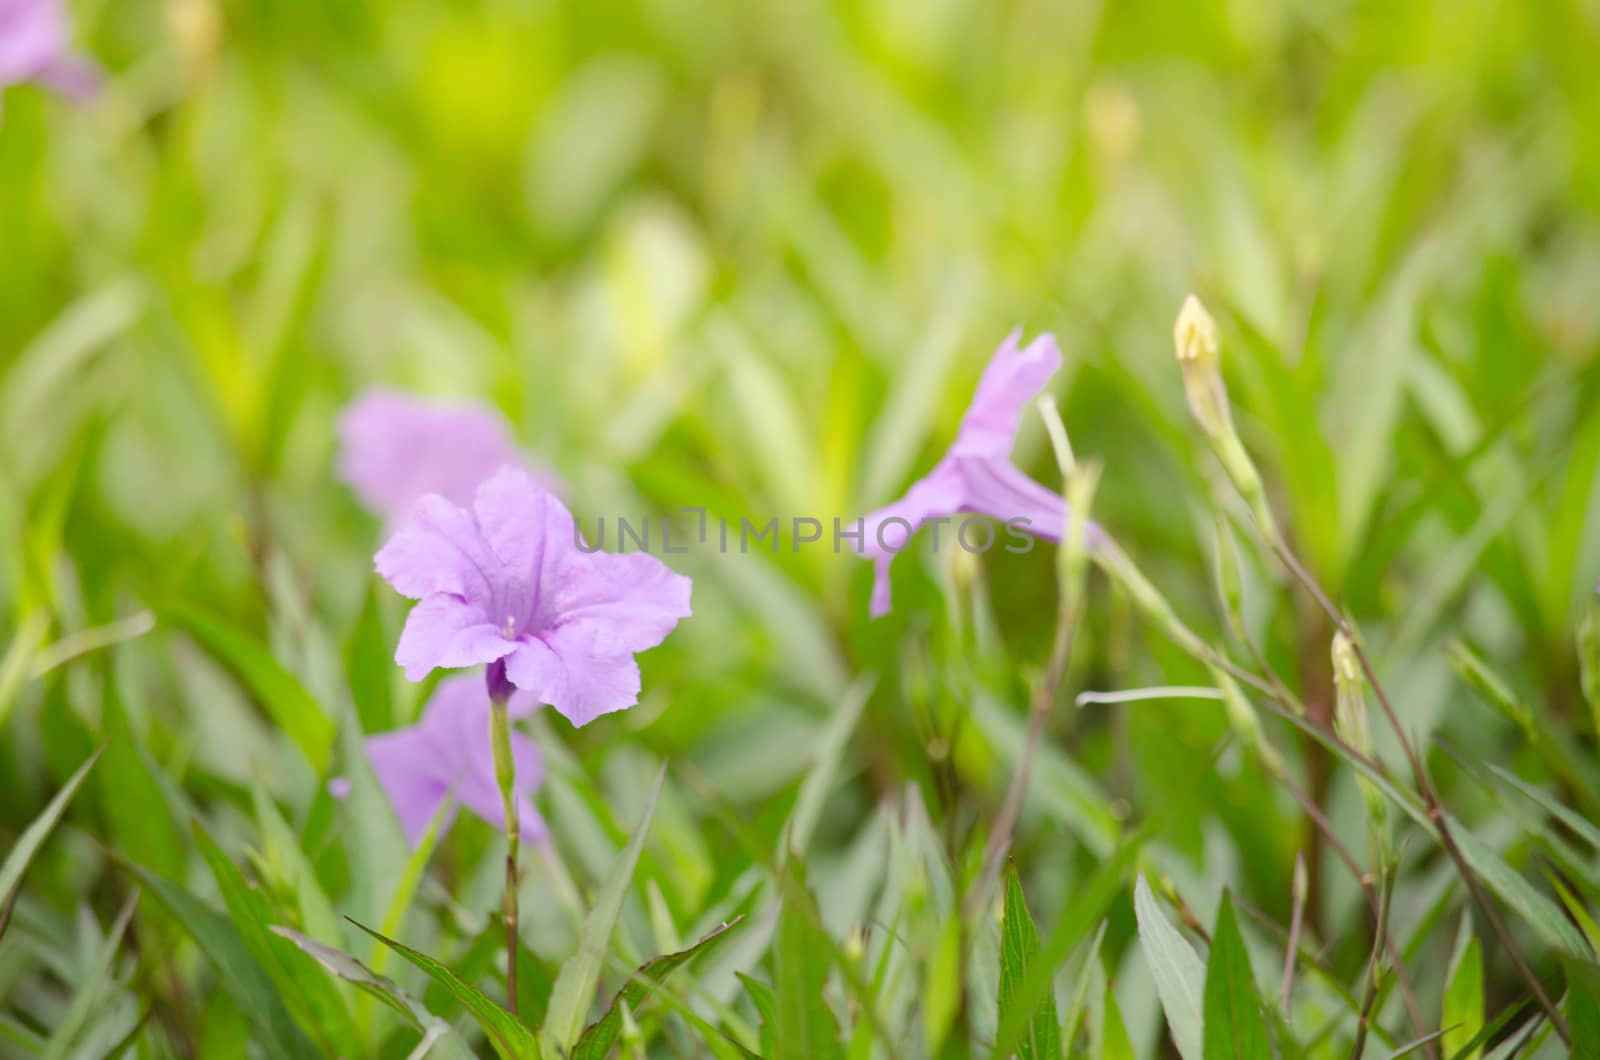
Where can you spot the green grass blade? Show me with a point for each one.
(1019, 947)
(1462, 1008)
(33, 837)
(1179, 975)
(246, 981)
(599, 1036)
(511, 1040)
(804, 1025)
(1234, 1026)
(278, 691)
(574, 989)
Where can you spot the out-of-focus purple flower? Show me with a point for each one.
(509, 580)
(35, 45)
(396, 448)
(977, 474)
(449, 752)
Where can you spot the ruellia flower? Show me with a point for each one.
(396, 448)
(511, 580)
(977, 474)
(35, 46)
(448, 751)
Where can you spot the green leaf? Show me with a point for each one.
(245, 980)
(1019, 946)
(88, 989)
(338, 963)
(312, 1000)
(511, 1040)
(1583, 1008)
(1462, 1015)
(370, 665)
(598, 1038)
(1234, 1025)
(1543, 915)
(766, 1003)
(141, 804)
(942, 990)
(33, 837)
(1114, 1044)
(803, 1024)
(574, 990)
(277, 690)
(1084, 908)
(1179, 975)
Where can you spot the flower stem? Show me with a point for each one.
(505, 772)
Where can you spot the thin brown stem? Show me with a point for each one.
(511, 920)
(1296, 922)
(1430, 796)
(1370, 1000)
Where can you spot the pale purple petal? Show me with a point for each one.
(440, 550)
(449, 751)
(395, 448)
(528, 529)
(407, 762)
(34, 45)
(563, 670)
(1000, 490)
(626, 603)
(884, 531)
(977, 474)
(443, 631)
(1011, 380)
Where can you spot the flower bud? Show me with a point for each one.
(1194, 335)
(1350, 722)
(1350, 708)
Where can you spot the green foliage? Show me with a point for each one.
(1234, 1025)
(511, 1040)
(1179, 976)
(752, 258)
(1019, 948)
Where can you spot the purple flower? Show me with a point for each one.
(395, 448)
(509, 580)
(449, 751)
(34, 46)
(977, 474)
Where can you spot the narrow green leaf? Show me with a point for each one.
(244, 979)
(312, 1000)
(1019, 947)
(766, 1003)
(511, 1040)
(1462, 1015)
(370, 665)
(1115, 1044)
(574, 990)
(33, 837)
(87, 991)
(942, 990)
(1083, 909)
(1090, 977)
(1543, 915)
(278, 691)
(599, 1036)
(338, 963)
(1179, 975)
(1234, 1026)
(1583, 1008)
(803, 1025)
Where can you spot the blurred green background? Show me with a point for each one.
(752, 257)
